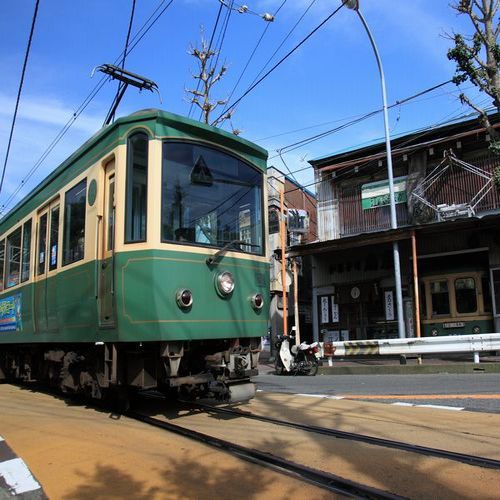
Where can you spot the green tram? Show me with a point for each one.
(140, 262)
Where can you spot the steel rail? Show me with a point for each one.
(325, 480)
(474, 460)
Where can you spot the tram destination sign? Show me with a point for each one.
(376, 194)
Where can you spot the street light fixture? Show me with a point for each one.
(354, 5)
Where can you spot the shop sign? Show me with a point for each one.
(324, 310)
(389, 305)
(376, 194)
(335, 311)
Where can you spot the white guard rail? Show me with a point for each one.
(417, 346)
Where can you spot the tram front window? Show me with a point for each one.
(210, 198)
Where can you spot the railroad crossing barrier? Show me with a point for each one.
(418, 346)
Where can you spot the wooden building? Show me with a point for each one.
(448, 215)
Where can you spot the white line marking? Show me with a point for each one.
(17, 476)
(440, 407)
(325, 396)
(437, 407)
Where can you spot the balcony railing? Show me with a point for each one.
(459, 186)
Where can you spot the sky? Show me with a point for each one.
(330, 79)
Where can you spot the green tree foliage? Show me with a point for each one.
(478, 56)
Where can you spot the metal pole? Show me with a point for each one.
(283, 260)
(416, 291)
(296, 302)
(394, 223)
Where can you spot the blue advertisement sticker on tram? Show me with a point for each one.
(10, 313)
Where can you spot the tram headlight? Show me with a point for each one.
(224, 283)
(476, 330)
(184, 298)
(434, 332)
(257, 301)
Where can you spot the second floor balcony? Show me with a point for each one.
(363, 207)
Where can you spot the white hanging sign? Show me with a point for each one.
(335, 311)
(324, 310)
(389, 305)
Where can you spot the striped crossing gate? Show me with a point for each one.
(360, 348)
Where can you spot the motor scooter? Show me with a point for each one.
(295, 359)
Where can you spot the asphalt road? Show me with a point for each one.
(474, 392)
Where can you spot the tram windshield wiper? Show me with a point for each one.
(213, 258)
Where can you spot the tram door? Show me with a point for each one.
(495, 295)
(47, 258)
(107, 247)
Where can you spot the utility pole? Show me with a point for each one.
(283, 259)
(296, 301)
(354, 5)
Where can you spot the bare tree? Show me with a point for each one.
(208, 75)
(478, 56)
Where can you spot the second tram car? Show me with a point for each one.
(140, 262)
(456, 303)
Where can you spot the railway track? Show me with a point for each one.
(328, 481)
(388, 443)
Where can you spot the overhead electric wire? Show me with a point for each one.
(283, 59)
(127, 39)
(220, 42)
(350, 117)
(23, 72)
(309, 140)
(141, 33)
(299, 187)
(54, 143)
(424, 132)
(284, 40)
(371, 162)
(274, 53)
(259, 41)
(221, 5)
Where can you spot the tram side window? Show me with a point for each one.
(13, 261)
(54, 238)
(42, 243)
(465, 295)
(26, 252)
(2, 258)
(74, 223)
(137, 188)
(440, 298)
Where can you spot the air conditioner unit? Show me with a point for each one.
(298, 221)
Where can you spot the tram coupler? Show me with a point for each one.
(233, 393)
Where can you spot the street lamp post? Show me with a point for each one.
(354, 5)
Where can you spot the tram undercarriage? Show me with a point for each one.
(219, 369)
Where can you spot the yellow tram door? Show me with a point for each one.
(107, 251)
(47, 259)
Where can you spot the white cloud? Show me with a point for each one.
(48, 111)
(38, 123)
